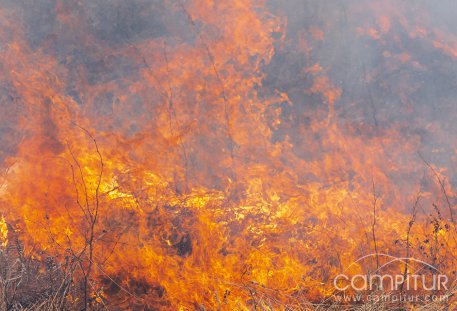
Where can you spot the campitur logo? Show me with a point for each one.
(394, 279)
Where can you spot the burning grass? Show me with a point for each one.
(226, 155)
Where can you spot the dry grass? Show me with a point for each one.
(31, 283)
(27, 283)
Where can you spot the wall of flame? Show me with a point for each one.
(247, 145)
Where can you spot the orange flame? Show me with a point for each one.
(193, 169)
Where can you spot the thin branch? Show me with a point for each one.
(442, 185)
(408, 234)
(373, 225)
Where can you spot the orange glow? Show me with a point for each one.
(3, 232)
(223, 155)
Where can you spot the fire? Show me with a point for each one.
(221, 155)
(3, 232)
